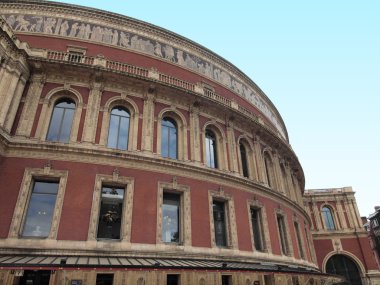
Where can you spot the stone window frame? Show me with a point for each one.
(126, 221)
(334, 216)
(230, 218)
(221, 149)
(181, 122)
(185, 211)
(133, 110)
(288, 237)
(48, 104)
(23, 200)
(270, 176)
(265, 235)
(299, 238)
(251, 157)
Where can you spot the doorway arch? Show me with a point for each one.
(340, 264)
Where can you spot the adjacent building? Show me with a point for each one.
(339, 236)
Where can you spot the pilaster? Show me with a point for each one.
(9, 120)
(92, 112)
(317, 216)
(259, 160)
(195, 133)
(30, 106)
(341, 216)
(7, 91)
(148, 122)
(233, 165)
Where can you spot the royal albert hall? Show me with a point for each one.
(132, 155)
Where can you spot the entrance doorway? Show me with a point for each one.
(35, 277)
(342, 265)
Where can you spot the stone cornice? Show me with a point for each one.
(163, 37)
(85, 153)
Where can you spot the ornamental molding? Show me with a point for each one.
(136, 36)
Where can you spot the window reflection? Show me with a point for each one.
(168, 138)
(244, 162)
(119, 129)
(170, 217)
(211, 158)
(111, 209)
(219, 223)
(61, 121)
(328, 218)
(40, 210)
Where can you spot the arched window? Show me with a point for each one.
(328, 218)
(169, 138)
(119, 128)
(211, 149)
(61, 121)
(341, 265)
(244, 161)
(268, 169)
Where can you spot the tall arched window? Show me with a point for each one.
(61, 121)
(169, 138)
(211, 149)
(244, 161)
(328, 218)
(268, 169)
(119, 128)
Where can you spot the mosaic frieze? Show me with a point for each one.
(130, 40)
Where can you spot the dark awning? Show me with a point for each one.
(114, 262)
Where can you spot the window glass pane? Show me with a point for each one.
(61, 121)
(168, 138)
(40, 210)
(244, 163)
(165, 141)
(170, 217)
(123, 133)
(211, 158)
(281, 229)
(268, 165)
(55, 124)
(328, 218)
(299, 241)
(67, 119)
(118, 129)
(113, 132)
(173, 143)
(219, 223)
(256, 228)
(172, 279)
(111, 208)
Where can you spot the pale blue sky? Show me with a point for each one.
(318, 61)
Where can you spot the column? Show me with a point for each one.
(148, 123)
(317, 216)
(15, 103)
(277, 173)
(92, 112)
(233, 165)
(341, 216)
(7, 91)
(30, 105)
(195, 133)
(259, 159)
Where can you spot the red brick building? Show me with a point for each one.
(340, 239)
(131, 155)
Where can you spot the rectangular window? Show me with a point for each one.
(282, 233)
(104, 279)
(40, 210)
(219, 223)
(299, 241)
(257, 229)
(111, 210)
(171, 217)
(226, 280)
(172, 279)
